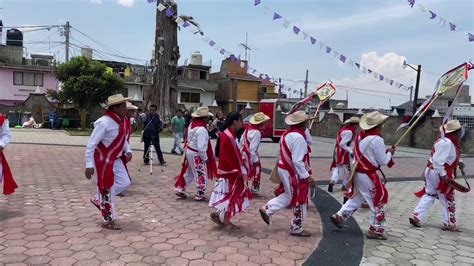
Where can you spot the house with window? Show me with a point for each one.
(194, 86)
(20, 76)
(237, 88)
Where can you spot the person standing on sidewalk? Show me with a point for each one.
(6, 176)
(106, 145)
(341, 161)
(177, 126)
(370, 154)
(199, 164)
(445, 159)
(294, 172)
(151, 134)
(250, 142)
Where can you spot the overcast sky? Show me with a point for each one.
(379, 33)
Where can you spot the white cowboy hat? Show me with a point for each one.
(352, 120)
(202, 112)
(259, 118)
(130, 106)
(372, 119)
(296, 118)
(116, 99)
(451, 126)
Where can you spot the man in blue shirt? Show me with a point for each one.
(53, 119)
(151, 134)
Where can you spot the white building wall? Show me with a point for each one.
(207, 99)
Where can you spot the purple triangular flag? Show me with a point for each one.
(169, 12)
(313, 40)
(452, 26)
(391, 82)
(296, 30)
(380, 77)
(357, 65)
(433, 14)
(257, 2)
(342, 58)
(370, 71)
(411, 2)
(276, 16)
(328, 49)
(186, 24)
(254, 71)
(471, 37)
(222, 51)
(400, 85)
(212, 43)
(151, 1)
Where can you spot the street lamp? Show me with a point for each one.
(415, 97)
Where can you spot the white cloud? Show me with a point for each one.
(126, 3)
(96, 1)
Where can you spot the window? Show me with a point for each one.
(17, 78)
(189, 97)
(28, 79)
(203, 75)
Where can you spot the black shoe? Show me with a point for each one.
(173, 152)
(331, 187)
(163, 163)
(146, 163)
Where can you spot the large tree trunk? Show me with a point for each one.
(163, 92)
(83, 115)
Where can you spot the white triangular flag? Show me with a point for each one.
(442, 21)
(305, 35)
(286, 24)
(161, 7)
(267, 9)
(321, 45)
(179, 21)
(422, 8)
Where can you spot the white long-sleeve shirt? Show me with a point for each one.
(5, 135)
(308, 136)
(105, 131)
(254, 137)
(346, 138)
(298, 146)
(373, 148)
(445, 152)
(198, 139)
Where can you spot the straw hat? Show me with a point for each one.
(130, 106)
(202, 112)
(296, 118)
(371, 120)
(116, 99)
(352, 120)
(259, 118)
(451, 126)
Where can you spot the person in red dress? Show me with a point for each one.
(231, 194)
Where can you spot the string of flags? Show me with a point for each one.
(212, 43)
(441, 21)
(329, 50)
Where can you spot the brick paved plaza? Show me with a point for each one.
(49, 219)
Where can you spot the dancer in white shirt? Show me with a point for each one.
(294, 172)
(441, 169)
(370, 154)
(199, 164)
(6, 176)
(250, 143)
(106, 145)
(341, 164)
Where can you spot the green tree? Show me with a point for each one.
(86, 84)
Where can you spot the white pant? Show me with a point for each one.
(193, 173)
(363, 188)
(121, 182)
(340, 171)
(283, 200)
(431, 189)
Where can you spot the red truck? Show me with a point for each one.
(275, 109)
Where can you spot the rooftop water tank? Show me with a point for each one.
(15, 37)
(196, 59)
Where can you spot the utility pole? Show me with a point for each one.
(165, 75)
(279, 87)
(246, 47)
(415, 101)
(306, 84)
(67, 31)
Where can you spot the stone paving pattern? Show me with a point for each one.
(49, 220)
(428, 245)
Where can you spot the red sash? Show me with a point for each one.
(449, 168)
(300, 187)
(9, 184)
(230, 168)
(105, 157)
(342, 156)
(128, 133)
(211, 160)
(366, 167)
(248, 163)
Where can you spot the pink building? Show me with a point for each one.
(17, 82)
